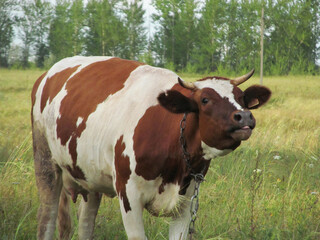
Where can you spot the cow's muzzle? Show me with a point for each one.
(243, 122)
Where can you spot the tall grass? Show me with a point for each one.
(269, 188)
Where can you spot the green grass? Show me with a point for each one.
(236, 201)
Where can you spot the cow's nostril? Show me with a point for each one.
(250, 116)
(237, 117)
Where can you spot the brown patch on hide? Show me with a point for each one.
(34, 92)
(76, 172)
(54, 85)
(123, 172)
(35, 88)
(157, 148)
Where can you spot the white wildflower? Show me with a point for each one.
(276, 157)
(257, 170)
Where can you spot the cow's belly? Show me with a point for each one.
(95, 163)
(97, 177)
(102, 182)
(157, 199)
(166, 203)
(104, 185)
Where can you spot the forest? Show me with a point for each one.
(195, 36)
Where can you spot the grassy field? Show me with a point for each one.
(269, 188)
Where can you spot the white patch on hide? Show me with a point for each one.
(71, 62)
(223, 87)
(166, 201)
(211, 152)
(79, 121)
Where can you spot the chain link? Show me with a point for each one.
(198, 178)
(183, 141)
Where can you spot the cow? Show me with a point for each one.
(105, 125)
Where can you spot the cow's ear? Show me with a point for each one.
(176, 102)
(255, 96)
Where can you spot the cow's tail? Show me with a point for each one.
(64, 219)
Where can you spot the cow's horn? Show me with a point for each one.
(237, 81)
(187, 85)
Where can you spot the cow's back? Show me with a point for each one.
(87, 106)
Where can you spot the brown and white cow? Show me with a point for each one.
(104, 125)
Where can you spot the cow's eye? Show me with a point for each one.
(204, 101)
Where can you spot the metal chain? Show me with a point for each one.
(198, 178)
(183, 141)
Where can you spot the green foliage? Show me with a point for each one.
(177, 31)
(33, 26)
(105, 29)
(146, 58)
(226, 35)
(6, 30)
(26, 23)
(293, 33)
(208, 52)
(66, 36)
(135, 34)
(202, 35)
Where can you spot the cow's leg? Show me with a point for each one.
(179, 226)
(87, 215)
(64, 219)
(132, 217)
(49, 182)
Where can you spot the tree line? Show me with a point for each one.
(186, 35)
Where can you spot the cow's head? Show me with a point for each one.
(223, 109)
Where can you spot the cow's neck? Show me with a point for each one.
(211, 152)
(200, 152)
(194, 148)
(192, 135)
